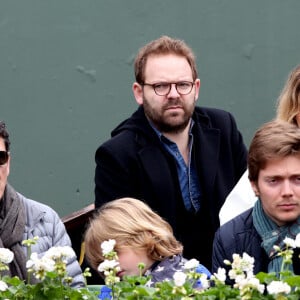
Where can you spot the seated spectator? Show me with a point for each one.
(22, 219)
(179, 158)
(141, 236)
(274, 173)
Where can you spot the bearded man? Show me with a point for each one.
(180, 159)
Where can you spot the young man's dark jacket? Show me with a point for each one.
(134, 163)
(239, 236)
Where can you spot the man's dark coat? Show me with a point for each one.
(133, 163)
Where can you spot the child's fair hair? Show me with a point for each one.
(132, 224)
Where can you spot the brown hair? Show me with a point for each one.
(132, 224)
(160, 46)
(4, 134)
(288, 105)
(275, 139)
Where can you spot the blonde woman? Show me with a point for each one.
(141, 236)
(242, 197)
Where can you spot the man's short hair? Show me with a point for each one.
(4, 134)
(162, 46)
(274, 140)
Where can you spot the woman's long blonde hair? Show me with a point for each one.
(288, 103)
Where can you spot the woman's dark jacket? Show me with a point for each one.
(133, 163)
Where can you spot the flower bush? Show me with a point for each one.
(50, 271)
(246, 285)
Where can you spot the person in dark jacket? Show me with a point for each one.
(274, 173)
(180, 159)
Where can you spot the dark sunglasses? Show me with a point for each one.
(3, 157)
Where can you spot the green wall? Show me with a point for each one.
(66, 75)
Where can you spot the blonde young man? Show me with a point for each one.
(180, 159)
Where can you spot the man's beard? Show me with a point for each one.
(163, 125)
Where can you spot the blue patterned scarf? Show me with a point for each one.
(272, 235)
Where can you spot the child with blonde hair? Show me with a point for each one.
(141, 236)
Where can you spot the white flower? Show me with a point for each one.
(238, 277)
(56, 253)
(244, 284)
(232, 274)
(276, 287)
(3, 286)
(35, 263)
(204, 281)
(40, 266)
(220, 275)
(33, 258)
(108, 265)
(179, 278)
(108, 246)
(6, 256)
(290, 242)
(191, 264)
(254, 282)
(241, 264)
(247, 263)
(297, 240)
